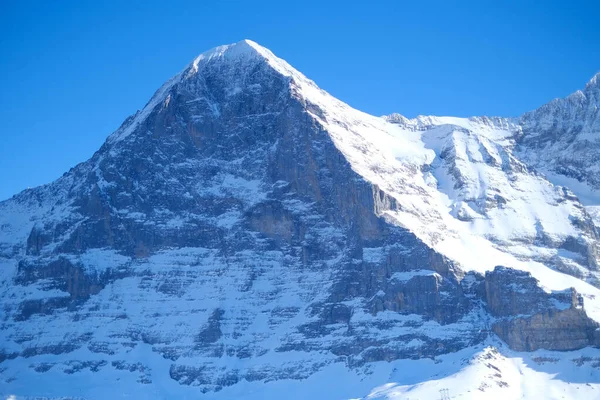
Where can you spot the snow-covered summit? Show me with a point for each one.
(241, 49)
(233, 61)
(594, 82)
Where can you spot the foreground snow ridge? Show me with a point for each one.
(247, 235)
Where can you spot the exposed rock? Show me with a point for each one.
(562, 330)
(212, 332)
(511, 292)
(530, 318)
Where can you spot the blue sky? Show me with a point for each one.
(72, 71)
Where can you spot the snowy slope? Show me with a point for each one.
(485, 372)
(497, 373)
(248, 235)
(485, 192)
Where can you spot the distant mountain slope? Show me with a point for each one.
(561, 139)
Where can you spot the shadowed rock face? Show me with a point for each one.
(223, 222)
(511, 292)
(561, 330)
(528, 318)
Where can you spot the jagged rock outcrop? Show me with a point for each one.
(510, 292)
(528, 318)
(555, 329)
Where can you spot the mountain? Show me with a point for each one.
(248, 235)
(561, 139)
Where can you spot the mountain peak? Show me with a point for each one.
(594, 82)
(241, 54)
(242, 49)
(246, 50)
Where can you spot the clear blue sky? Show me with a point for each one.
(72, 71)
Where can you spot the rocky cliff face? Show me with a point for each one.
(528, 318)
(245, 226)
